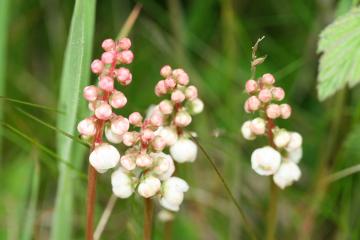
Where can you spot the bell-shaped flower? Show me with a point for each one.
(173, 193)
(184, 150)
(104, 157)
(149, 186)
(265, 161)
(287, 174)
(121, 182)
(164, 165)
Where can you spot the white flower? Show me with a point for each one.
(295, 155)
(265, 161)
(149, 186)
(164, 165)
(121, 184)
(168, 134)
(295, 141)
(197, 106)
(247, 132)
(104, 157)
(87, 127)
(173, 193)
(287, 174)
(258, 126)
(128, 161)
(112, 137)
(184, 150)
(282, 138)
(144, 160)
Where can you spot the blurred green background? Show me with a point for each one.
(212, 41)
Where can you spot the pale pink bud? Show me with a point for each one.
(196, 106)
(124, 76)
(126, 56)
(97, 66)
(112, 137)
(181, 76)
(177, 96)
(128, 162)
(124, 43)
(156, 119)
(135, 119)
(268, 79)
(166, 107)
(90, 93)
(191, 92)
(143, 160)
(265, 95)
(251, 86)
(103, 111)
(130, 138)
(170, 83)
(106, 83)
(87, 127)
(108, 44)
(158, 143)
(160, 88)
(118, 100)
(107, 57)
(182, 119)
(278, 93)
(165, 71)
(147, 135)
(273, 111)
(281, 138)
(252, 104)
(258, 126)
(295, 141)
(149, 187)
(120, 125)
(285, 110)
(246, 131)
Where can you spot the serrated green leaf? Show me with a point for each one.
(75, 76)
(340, 61)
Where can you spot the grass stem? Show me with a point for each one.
(148, 218)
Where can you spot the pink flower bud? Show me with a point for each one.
(104, 157)
(156, 119)
(170, 83)
(265, 95)
(158, 143)
(108, 44)
(273, 111)
(182, 119)
(177, 96)
(143, 160)
(97, 66)
(87, 127)
(166, 107)
(126, 56)
(147, 135)
(128, 162)
(130, 138)
(120, 125)
(118, 100)
(285, 110)
(135, 119)
(181, 76)
(278, 93)
(160, 88)
(191, 92)
(90, 93)
(258, 126)
(268, 79)
(124, 76)
(106, 83)
(103, 111)
(124, 43)
(107, 57)
(251, 86)
(165, 71)
(252, 104)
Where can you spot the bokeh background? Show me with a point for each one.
(212, 40)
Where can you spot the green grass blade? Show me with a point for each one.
(30, 104)
(4, 9)
(75, 76)
(28, 228)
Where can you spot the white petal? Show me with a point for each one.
(104, 157)
(112, 137)
(265, 161)
(295, 141)
(287, 174)
(184, 150)
(246, 131)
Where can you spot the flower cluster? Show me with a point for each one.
(280, 159)
(144, 167)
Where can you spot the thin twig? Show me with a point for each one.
(105, 217)
(343, 173)
(247, 224)
(130, 21)
(254, 60)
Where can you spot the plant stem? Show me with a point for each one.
(271, 217)
(168, 230)
(148, 217)
(105, 217)
(91, 195)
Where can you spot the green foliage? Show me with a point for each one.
(340, 60)
(75, 75)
